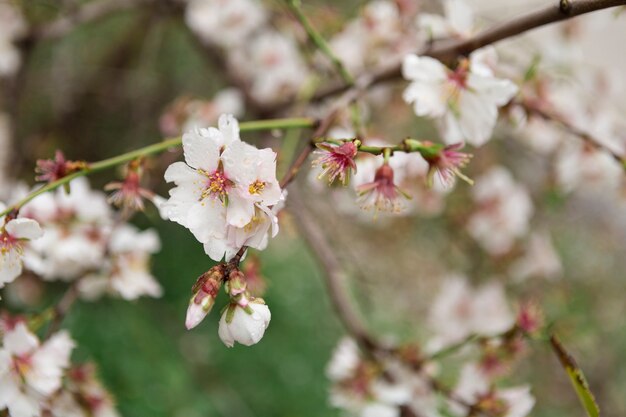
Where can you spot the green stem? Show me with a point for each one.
(257, 125)
(319, 41)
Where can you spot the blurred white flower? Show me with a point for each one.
(82, 396)
(272, 63)
(245, 327)
(358, 386)
(226, 23)
(377, 36)
(503, 213)
(12, 27)
(14, 233)
(77, 225)
(465, 101)
(30, 372)
(540, 259)
(126, 272)
(474, 387)
(459, 311)
(457, 22)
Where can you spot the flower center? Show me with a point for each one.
(7, 243)
(217, 185)
(256, 187)
(21, 364)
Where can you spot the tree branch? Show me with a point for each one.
(450, 49)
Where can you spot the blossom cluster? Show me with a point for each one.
(36, 377)
(386, 384)
(268, 61)
(76, 238)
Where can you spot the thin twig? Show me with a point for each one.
(61, 309)
(318, 40)
(587, 137)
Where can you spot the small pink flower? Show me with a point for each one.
(336, 161)
(381, 194)
(530, 318)
(129, 194)
(447, 164)
(50, 170)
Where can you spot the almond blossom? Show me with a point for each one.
(464, 101)
(126, 272)
(504, 209)
(336, 162)
(225, 23)
(244, 324)
(83, 395)
(381, 194)
(459, 311)
(14, 233)
(475, 388)
(29, 371)
(273, 64)
(457, 22)
(359, 387)
(224, 190)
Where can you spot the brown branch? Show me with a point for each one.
(450, 49)
(551, 116)
(333, 275)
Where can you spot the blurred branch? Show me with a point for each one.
(550, 116)
(61, 309)
(314, 36)
(333, 275)
(450, 49)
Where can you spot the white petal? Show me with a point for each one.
(200, 152)
(207, 220)
(10, 266)
(229, 126)
(24, 229)
(239, 211)
(20, 340)
(423, 68)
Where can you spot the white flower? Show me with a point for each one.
(244, 327)
(473, 385)
(12, 27)
(13, 234)
(459, 311)
(77, 225)
(465, 101)
(30, 372)
(224, 190)
(539, 260)
(273, 64)
(377, 36)
(225, 23)
(83, 395)
(127, 271)
(457, 22)
(504, 211)
(344, 361)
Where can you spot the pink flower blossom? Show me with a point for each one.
(382, 194)
(337, 162)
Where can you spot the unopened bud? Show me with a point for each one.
(236, 283)
(205, 291)
(530, 318)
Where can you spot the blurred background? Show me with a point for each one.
(101, 90)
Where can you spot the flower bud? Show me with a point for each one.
(205, 291)
(245, 325)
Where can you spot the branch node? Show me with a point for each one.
(565, 6)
